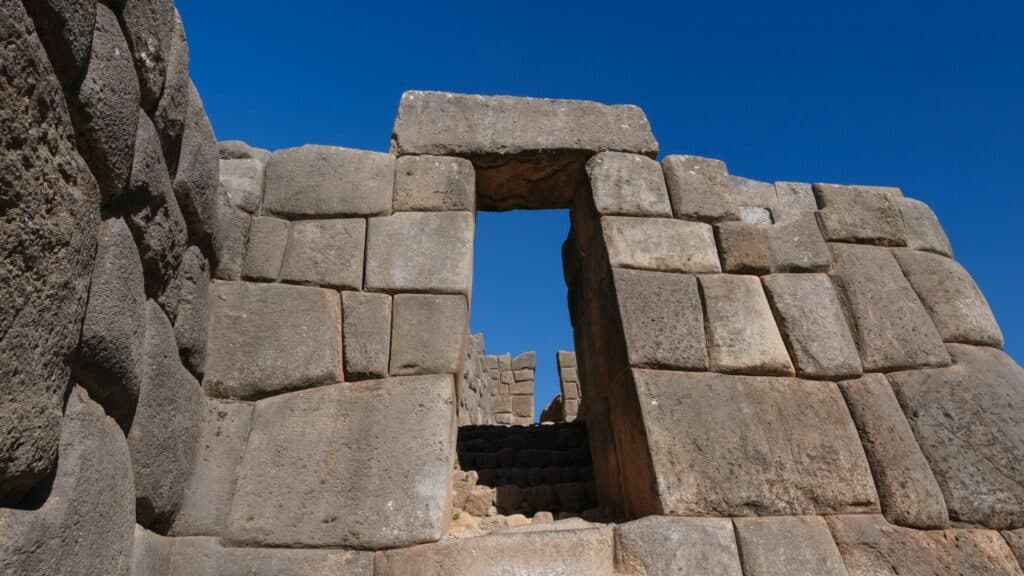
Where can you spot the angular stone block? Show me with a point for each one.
(304, 481)
(755, 215)
(702, 428)
(151, 554)
(428, 334)
(242, 182)
(628, 185)
(524, 361)
(742, 336)
(699, 188)
(434, 183)
(891, 327)
(366, 321)
(65, 28)
(269, 338)
(419, 251)
(745, 248)
(795, 200)
(196, 182)
(754, 194)
(522, 406)
(268, 239)
(192, 318)
(909, 494)
(327, 181)
(870, 546)
(147, 27)
(969, 420)
(956, 305)
(326, 253)
(798, 246)
(664, 545)
(923, 229)
(239, 150)
(859, 214)
(172, 110)
(523, 375)
(207, 557)
(230, 234)
(662, 320)
(660, 244)
(813, 325)
(795, 546)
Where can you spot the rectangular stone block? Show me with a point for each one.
(207, 557)
(420, 251)
(270, 338)
(525, 361)
(662, 320)
(923, 229)
(434, 183)
(428, 334)
(364, 464)
(522, 406)
(660, 244)
(753, 194)
(664, 545)
(795, 199)
(755, 215)
(502, 404)
(628, 185)
(326, 253)
(795, 546)
(742, 336)
(725, 445)
(268, 239)
(798, 246)
(699, 188)
(507, 377)
(326, 181)
(523, 375)
(522, 387)
(859, 214)
(745, 247)
(891, 327)
(242, 180)
(566, 358)
(230, 229)
(366, 326)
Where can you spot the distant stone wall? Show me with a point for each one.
(565, 407)
(496, 389)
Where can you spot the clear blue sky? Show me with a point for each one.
(925, 95)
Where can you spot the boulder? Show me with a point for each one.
(434, 183)
(207, 557)
(328, 182)
(148, 26)
(420, 251)
(660, 244)
(66, 28)
(860, 214)
(795, 546)
(172, 110)
(628, 185)
(326, 253)
(268, 239)
(667, 546)
(428, 333)
(699, 188)
(367, 331)
(923, 229)
(192, 318)
(196, 175)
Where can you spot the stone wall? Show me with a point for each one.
(565, 407)
(496, 388)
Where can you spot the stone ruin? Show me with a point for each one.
(222, 361)
(496, 389)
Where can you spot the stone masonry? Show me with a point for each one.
(223, 360)
(565, 407)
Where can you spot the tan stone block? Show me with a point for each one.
(742, 336)
(660, 244)
(628, 185)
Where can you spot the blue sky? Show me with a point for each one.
(925, 95)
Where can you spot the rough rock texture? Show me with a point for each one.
(428, 333)
(859, 214)
(969, 421)
(664, 545)
(699, 188)
(242, 181)
(239, 150)
(172, 110)
(207, 557)
(795, 200)
(923, 229)
(326, 253)
(1015, 538)
(148, 25)
(268, 240)
(367, 330)
(326, 181)
(420, 251)
(628, 185)
(192, 318)
(151, 553)
(660, 244)
(65, 28)
(795, 546)
(196, 178)
(230, 233)
(427, 183)
(269, 338)
(47, 243)
(305, 474)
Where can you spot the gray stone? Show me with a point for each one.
(523, 375)
(891, 327)
(86, 525)
(304, 477)
(909, 494)
(326, 253)
(949, 294)
(754, 194)
(148, 28)
(628, 185)
(242, 181)
(798, 246)
(65, 28)
(164, 432)
(859, 214)
(206, 557)
(549, 552)
(710, 462)
(196, 182)
(192, 318)
(269, 338)
(699, 188)
(677, 546)
(1015, 538)
(418, 251)
(151, 553)
(745, 247)
(524, 361)
(813, 325)
(429, 183)
(223, 431)
(796, 546)
(108, 106)
(662, 320)
(923, 229)
(795, 200)
(660, 244)
(239, 150)
(230, 235)
(47, 246)
(566, 359)
(755, 215)
(428, 333)
(969, 421)
(327, 181)
(870, 546)
(522, 406)
(108, 358)
(172, 110)
(367, 332)
(268, 239)
(742, 336)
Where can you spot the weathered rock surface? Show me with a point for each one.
(196, 176)
(708, 462)
(242, 181)
(755, 195)
(148, 25)
(305, 477)
(969, 421)
(860, 214)
(428, 333)
(434, 183)
(230, 234)
(327, 181)
(628, 185)
(795, 546)
(668, 546)
(268, 239)
(192, 318)
(923, 229)
(151, 553)
(326, 253)
(419, 251)
(269, 338)
(699, 188)
(660, 244)
(239, 150)
(795, 200)
(798, 246)
(172, 110)
(1015, 538)
(745, 247)
(366, 321)
(206, 557)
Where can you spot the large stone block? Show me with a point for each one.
(172, 110)
(969, 420)
(859, 214)
(207, 557)
(365, 464)
(742, 336)
(870, 546)
(813, 325)
(239, 150)
(65, 28)
(753, 194)
(196, 181)
(420, 251)
(909, 494)
(326, 253)
(699, 188)
(583, 552)
(434, 183)
(662, 320)
(745, 247)
(192, 318)
(148, 26)
(725, 445)
(242, 181)
(428, 333)
(660, 244)
(268, 240)
(795, 546)
(230, 234)
(891, 327)
(923, 229)
(327, 181)
(792, 246)
(795, 200)
(151, 553)
(367, 330)
(269, 338)
(628, 185)
(664, 545)
(956, 305)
